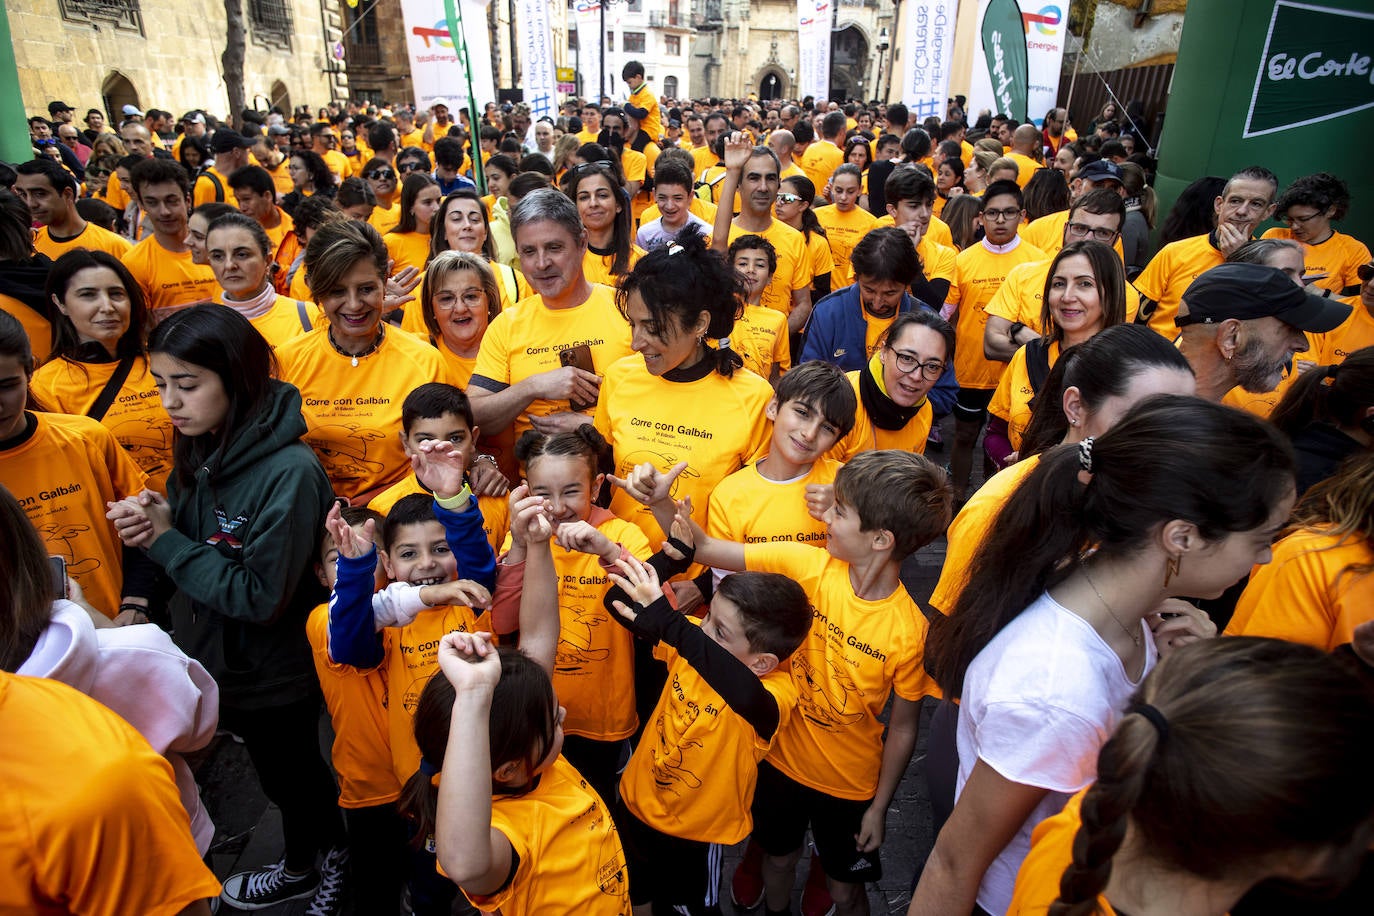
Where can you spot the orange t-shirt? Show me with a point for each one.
(384, 219)
(794, 265)
(843, 231)
(597, 267)
(866, 437)
(62, 476)
(593, 669)
(411, 658)
(1170, 272)
(1012, 399)
(1027, 165)
(91, 237)
(971, 526)
(357, 703)
(1021, 297)
(1355, 333)
(1311, 592)
(693, 774)
(90, 818)
(571, 860)
(526, 340)
(1339, 257)
(1047, 234)
(980, 273)
(857, 653)
(354, 412)
(748, 508)
(283, 323)
(820, 161)
(407, 249)
(135, 416)
(1037, 883)
(171, 281)
(38, 328)
(760, 338)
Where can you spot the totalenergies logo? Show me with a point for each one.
(1046, 21)
(439, 33)
(822, 12)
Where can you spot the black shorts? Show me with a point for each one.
(784, 808)
(972, 404)
(664, 869)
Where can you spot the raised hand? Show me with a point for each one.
(638, 580)
(819, 498)
(438, 465)
(647, 484)
(469, 661)
(487, 480)
(529, 516)
(350, 542)
(738, 150)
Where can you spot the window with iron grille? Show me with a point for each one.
(271, 23)
(124, 15)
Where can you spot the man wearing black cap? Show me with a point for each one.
(60, 113)
(230, 149)
(1245, 202)
(1242, 323)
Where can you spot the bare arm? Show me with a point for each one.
(496, 410)
(801, 310)
(651, 487)
(897, 747)
(989, 812)
(738, 150)
(999, 343)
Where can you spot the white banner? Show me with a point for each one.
(587, 17)
(536, 59)
(813, 49)
(1035, 84)
(927, 48)
(434, 69)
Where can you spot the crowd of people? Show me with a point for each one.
(569, 467)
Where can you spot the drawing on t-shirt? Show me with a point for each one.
(668, 756)
(659, 460)
(610, 873)
(343, 449)
(829, 696)
(59, 539)
(148, 442)
(575, 650)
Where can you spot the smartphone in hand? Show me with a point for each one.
(58, 566)
(581, 357)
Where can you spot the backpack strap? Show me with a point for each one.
(508, 282)
(1037, 363)
(214, 180)
(304, 315)
(112, 386)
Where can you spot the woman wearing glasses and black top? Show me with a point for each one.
(894, 410)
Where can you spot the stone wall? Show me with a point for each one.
(173, 64)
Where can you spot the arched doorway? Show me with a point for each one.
(849, 62)
(280, 98)
(670, 86)
(117, 92)
(772, 86)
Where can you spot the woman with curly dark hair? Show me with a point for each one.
(1308, 208)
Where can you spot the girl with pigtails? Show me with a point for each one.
(1171, 826)
(1074, 600)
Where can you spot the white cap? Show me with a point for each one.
(131, 110)
(437, 102)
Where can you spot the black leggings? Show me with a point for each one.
(284, 745)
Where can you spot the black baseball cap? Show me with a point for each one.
(55, 107)
(226, 139)
(1100, 170)
(1249, 291)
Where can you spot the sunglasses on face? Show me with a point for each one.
(786, 198)
(405, 167)
(379, 175)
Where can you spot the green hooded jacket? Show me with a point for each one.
(241, 554)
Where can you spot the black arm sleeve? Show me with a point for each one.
(932, 292)
(666, 567)
(140, 575)
(820, 287)
(739, 687)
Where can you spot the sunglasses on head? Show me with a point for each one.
(379, 174)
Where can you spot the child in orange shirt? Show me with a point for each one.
(594, 666)
(515, 825)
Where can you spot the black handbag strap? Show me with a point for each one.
(107, 394)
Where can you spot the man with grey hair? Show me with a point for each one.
(541, 361)
(782, 143)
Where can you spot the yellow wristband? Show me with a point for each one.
(458, 501)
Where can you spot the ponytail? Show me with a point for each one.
(1339, 395)
(1170, 457)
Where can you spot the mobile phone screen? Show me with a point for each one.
(58, 565)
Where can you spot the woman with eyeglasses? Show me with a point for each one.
(1307, 209)
(1084, 293)
(795, 194)
(408, 243)
(894, 412)
(98, 174)
(604, 208)
(384, 181)
(461, 225)
(310, 175)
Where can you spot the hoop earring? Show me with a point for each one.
(1171, 568)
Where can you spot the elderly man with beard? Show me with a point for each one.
(1242, 323)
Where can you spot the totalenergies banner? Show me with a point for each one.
(537, 75)
(1017, 57)
(434, 68)
(927, 47)
(813, 49)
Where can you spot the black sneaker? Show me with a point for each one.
(267, 886)
(329, 898)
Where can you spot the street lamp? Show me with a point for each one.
(883, 45)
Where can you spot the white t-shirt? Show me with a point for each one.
(652, 235)
(1039, 702)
